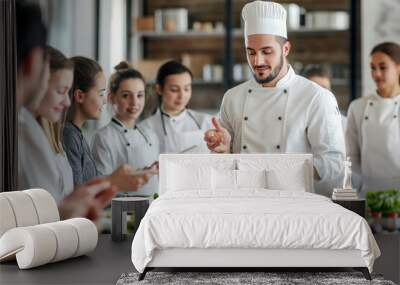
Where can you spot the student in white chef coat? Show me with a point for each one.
(279, 111)
(373, 130)
(320, 75)
(122, 141)
(179, 129)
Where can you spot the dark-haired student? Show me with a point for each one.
(178, 128)
(88, 97)
(122, 141)
(373, 132)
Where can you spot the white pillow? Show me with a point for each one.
(292, 179)
(223, 179)
(226, 179)
(251, 178)
(182, 177)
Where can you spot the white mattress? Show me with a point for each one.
(251, 219)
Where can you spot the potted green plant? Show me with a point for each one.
(375, 203)
(390, 208)
(390, 203)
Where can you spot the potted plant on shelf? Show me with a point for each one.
(374, 203)
(390, 208)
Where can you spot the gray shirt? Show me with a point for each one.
(79, 154)
(37, 167)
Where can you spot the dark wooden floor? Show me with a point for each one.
(102, 266)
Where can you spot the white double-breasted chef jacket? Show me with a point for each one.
(373, 141)
(115, 145)
(296, 116)
(180, 133)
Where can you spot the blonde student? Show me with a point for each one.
(122, 141)
(50, 111)
(179, 129)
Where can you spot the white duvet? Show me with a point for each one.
(253, 218)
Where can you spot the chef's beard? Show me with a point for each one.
(272, 75)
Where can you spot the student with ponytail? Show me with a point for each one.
(122, 141)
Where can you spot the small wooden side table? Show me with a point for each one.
(357, 206)
(120, 207)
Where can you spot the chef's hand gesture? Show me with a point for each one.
(218, 139)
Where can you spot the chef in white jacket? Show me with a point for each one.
(179, 129)
(279, 111)
(373, 130)
(122, 141)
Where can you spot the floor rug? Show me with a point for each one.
(242, 278)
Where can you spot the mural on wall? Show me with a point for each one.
(380, 22)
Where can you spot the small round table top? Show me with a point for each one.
(130, 199)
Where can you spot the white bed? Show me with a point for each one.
(200, 223)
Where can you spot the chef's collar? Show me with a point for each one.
(282, 83)
(177, 117)
(120, 124)
(394, 98)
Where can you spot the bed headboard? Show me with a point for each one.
(282, 163)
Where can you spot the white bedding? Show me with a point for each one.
(251, 218)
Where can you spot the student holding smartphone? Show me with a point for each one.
(122, 141)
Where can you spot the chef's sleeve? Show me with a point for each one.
(325, 135)
(225, 116)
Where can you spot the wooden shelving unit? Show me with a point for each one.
(309, 46)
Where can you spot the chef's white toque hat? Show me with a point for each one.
(264, 17)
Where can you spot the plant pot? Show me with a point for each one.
(376, 215)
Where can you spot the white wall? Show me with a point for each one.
(72, 26)
(72, 29)
(112, 44)
(380, 22)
